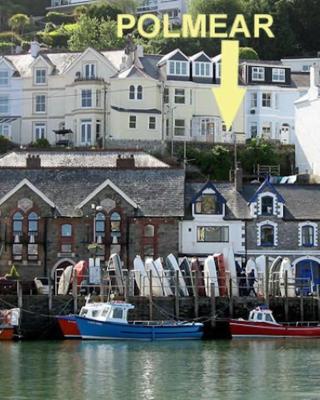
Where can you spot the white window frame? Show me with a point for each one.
(179, 94)
(40, 83)
(98, 98)
(253, 100)
(137, 94)
(5, 130)
(84, 124)
(4, 80)
(202, 69)
(179, 127)
(251, 126)
(218, 70)
(278, 75)
(86, 99)
(260, 225)
(131, 117)
(314, 225)
(152, 125)
(178, 66)
(38, 103)
(258, 74)
(5, 103)
(39, 127)
(269, 94)
(224, 227)
(89, 70)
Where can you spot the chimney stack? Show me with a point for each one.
(125, 162)
(238, 178)
(34, 49)
(33, 162)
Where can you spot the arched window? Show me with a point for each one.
(149, 231)
(267, 235)
(132, 92)
(140, 92)
(17, 224)
(100, 227)
(115, 227)
(66, 230)
(307, 236)
(33, 224)
(267, 205)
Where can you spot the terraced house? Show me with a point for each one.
(55, 204)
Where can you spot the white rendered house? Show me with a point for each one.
(307, 134)
(272, 89)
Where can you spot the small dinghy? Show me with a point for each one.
(173, 267)
(286, 269)
(65, 281)
(185, 268)
(141, 276)
(151, 268)
(164, 280)
(115, 265)
(210, 276)
(110, 321)
(198, 281)
(231, 270)
(261, 324)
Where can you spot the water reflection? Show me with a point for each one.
(154, 371)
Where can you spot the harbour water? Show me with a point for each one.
(270, 369)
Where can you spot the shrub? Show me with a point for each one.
(40, 144)
(6, 47)
(5, 145)
(10, 37)
(247, 53)
(59, 18)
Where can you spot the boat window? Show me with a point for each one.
(83, 312)
(104, 312)
(95, 313)
(269, 318)
(259, 317)
(117, 313)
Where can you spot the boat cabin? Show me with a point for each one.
(260, 314)
(115, 311)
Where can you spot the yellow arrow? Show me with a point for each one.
(229, 95)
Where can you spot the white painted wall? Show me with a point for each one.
(301, 64)
(281, 111)
(189, 245)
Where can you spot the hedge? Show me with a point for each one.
(59, 18)
(10, 37)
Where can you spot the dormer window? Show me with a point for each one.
(267, 205)
(203, 69)
(258, 73)
(278, 75)
(89, 71)
(208, 204)
(40, 76)
(4, 77)
(178, 68)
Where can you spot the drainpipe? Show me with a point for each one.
(45, 247)
(104, 116)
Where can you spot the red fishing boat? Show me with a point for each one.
(68, 326)
(261, 324)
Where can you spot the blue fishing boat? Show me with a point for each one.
(110, 321)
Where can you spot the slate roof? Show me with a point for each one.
(158, 192)
(301, 79)
(79, 159)
(302, 202)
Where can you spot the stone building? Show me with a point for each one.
(55, 204)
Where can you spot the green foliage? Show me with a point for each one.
(229, 7)
(258, 152)
(5, 144)
(58, 18)
(92, 32)
(14, 274)
(58, 37)
(247, 53)
(10, 37)
(79, 11)
(18, 22)
(103, 10)
(6, 47)
(40, 144)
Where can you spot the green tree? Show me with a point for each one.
(103, 10)
(19, 22)
(92, 32)
(247, 53)
(229, 7)
(79, 11)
